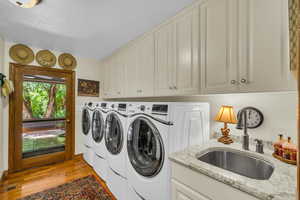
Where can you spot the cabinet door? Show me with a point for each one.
(264, 63)
(104, 79)
(145, 66)
(218, 46)
(118, 75)
(182, 192)
(187, 69)
(107, 78)
(164, 60)
(131, 76)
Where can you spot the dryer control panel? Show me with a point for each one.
(122, 106)
(103, 105)
(160, 109)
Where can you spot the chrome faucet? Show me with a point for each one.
(242, 123)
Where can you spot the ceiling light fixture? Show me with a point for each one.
(25, 3)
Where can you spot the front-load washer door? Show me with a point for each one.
(145, 147)
(97, 126)
(114, 134)
(86, 121)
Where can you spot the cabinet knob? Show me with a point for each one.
(171, 88)
(119, 92)
(233, 82)
(175, 87)
(243, 81)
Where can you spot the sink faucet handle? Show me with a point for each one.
(259, 146)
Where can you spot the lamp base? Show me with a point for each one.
(225, 138)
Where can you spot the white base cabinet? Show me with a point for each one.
(190, 185)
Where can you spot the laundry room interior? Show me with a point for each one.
(149, 100)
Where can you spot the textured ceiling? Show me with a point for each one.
(89, 28)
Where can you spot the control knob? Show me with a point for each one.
(142, 107)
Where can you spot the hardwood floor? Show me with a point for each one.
(24, 183)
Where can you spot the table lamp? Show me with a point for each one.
(226, 115)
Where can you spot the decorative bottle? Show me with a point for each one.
(278, 145)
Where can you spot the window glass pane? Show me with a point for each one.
(44, 113)
(43, 137)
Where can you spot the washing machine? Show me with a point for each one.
(115, 141)
(154, 131)
(87, 114)
(98, 144)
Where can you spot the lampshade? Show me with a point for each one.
(226, 114)
(25, 3)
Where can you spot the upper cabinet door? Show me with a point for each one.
(131, 76)
(187, 69)
(118, 75)
(145, 66)
(164, 60)
(264, 39)
(106, 78)
(218, 46)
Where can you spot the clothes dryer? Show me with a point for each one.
(98, 131)
(154, 131)
(87, 114)
(115, 140)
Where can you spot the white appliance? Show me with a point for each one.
(87, 114)
(115, 140)
(98, 131)
(154, 131)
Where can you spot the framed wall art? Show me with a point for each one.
(88, 88)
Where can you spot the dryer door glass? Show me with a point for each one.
(145, 147)
(113, 134)
(97, 126)
(86, 121)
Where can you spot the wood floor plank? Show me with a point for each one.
(31, 181)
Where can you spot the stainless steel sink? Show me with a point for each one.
(238, 162)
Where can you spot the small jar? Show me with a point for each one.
(289, 150)
(278, 146)
(294, 155)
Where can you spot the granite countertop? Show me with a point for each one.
(280, 186)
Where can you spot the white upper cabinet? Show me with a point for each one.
(211, 47)
(177, 65)
(145, 66)
(187, 71)
(139, 68)
(264, 46)
(244, 46)
(113, 78)
(164, 60)
(118, 75)
(107, 86)
(218, 46)
(131, 76)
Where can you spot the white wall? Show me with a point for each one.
(279, 111)
(1, 111)
(86, 69)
